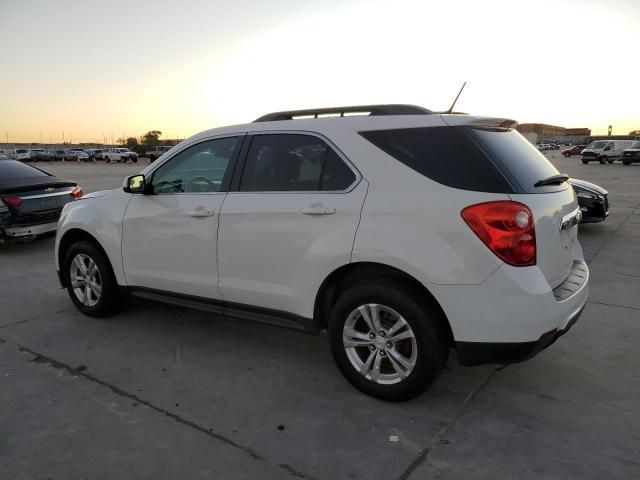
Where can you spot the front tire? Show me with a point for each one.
(90, 280)
(603, 160)
(386, 342)
(584, 162)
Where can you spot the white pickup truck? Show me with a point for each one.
(118, 155)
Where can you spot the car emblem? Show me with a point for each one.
(50, 189)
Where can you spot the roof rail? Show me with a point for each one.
(372, 110)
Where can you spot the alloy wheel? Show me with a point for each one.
(85, 280)
(380, 344)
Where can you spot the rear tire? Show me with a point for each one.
(584, 162)
(405, 366)
(626, 163)
(611, 160)
(90, 280)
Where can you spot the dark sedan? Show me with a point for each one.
(593, 200)
(31, 200)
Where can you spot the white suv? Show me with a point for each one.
(401, 232)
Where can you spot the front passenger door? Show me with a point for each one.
(170, 236)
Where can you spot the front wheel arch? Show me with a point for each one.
(69, 238)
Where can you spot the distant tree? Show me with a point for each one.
(150, 139)
(131, 143)
(634, 132)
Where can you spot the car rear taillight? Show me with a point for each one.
(506, 228)
(77, 192)
(12, 202)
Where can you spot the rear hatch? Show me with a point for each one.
(553, 205)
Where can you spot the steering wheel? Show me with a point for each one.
(198, 183)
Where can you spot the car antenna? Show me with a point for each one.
(456, 99)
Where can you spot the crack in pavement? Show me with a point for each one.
(33, 318)
(612, 305)
(424, 454)
(39, 358)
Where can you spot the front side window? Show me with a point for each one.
(198, 169)
(293, 163)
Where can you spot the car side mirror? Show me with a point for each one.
(135, 184)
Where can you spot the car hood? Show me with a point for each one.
(101, 193)
(588, 186)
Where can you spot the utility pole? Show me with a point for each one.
(63, 138)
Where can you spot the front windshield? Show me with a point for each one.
(596, 145)
(636, 145)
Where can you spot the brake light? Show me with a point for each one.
(12, 202)
(506, 228)
(77, 192)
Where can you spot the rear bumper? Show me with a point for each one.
(30, 230)
(514, 313)
(479, 353)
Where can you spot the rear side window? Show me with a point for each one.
(515, 157)
(441, 154)
(12, 169)
(293, 163)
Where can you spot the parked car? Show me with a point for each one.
(605, 151)
(3, 157)
(59, 155)
(402, 233)
(156, 153)
(119, 155)
(31, 199)
(575, 150)
(78, 155)
(632, 154)
(39, 155)
(592, 199)
(21, 154)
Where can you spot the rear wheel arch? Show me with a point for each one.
(354, 273)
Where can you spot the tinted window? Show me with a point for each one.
(292, 163)
(13, 169)
(439, 153)
(513, 155)
(200, 168)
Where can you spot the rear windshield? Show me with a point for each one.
(12, 169)
(469, 158)
(516, 158)
(21, 150)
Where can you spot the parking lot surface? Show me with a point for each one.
(163, 392)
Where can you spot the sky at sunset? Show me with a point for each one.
(93, 69)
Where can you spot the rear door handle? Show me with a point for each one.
(200, 213)
(319, 210)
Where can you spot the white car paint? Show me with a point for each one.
(261, 249)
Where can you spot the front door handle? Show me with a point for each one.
(201, 212)
(318, 210)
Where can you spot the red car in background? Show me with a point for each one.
(575, 150)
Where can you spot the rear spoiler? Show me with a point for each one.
(457, 120)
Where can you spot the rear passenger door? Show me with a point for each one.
(288, 221)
